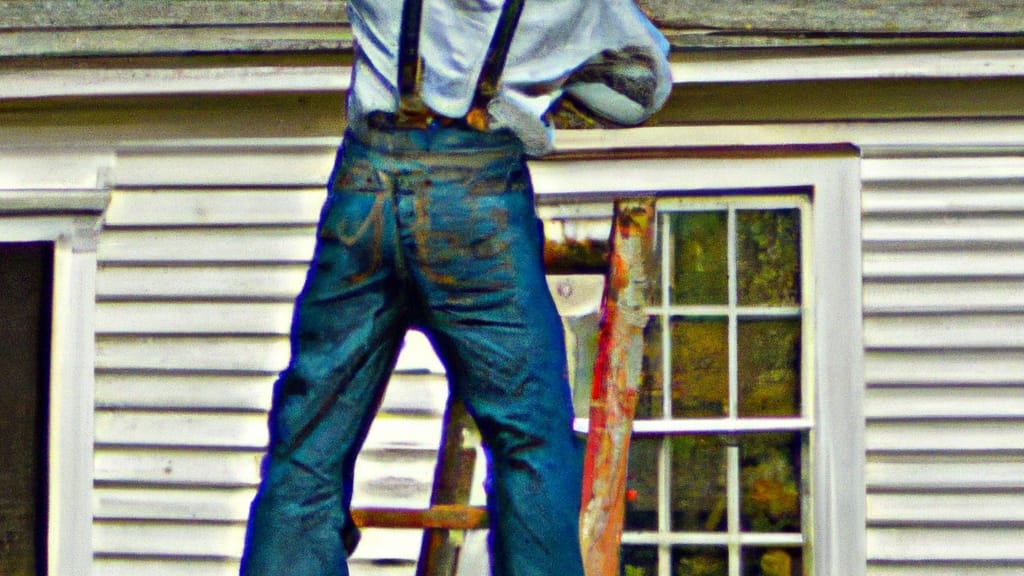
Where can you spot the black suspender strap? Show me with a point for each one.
(411, 109)
(410, 105)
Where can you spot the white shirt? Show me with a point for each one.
(551, 44)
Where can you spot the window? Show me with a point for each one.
(747, 451)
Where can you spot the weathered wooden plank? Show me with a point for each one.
(215, 207)
(945, 509)
(949, 473)
(438, 516)
(852, 17)
(107, 13)
(863, 16)
(617, 374)
(950, 544)
(978, 331)
(945, 436)
(949, 402)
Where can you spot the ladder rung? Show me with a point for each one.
(441, 516)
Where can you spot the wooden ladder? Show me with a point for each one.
(617, 373)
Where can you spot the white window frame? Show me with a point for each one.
(832, 175)
(60, 198)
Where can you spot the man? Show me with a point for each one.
(430, 223)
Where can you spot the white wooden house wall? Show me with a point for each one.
(204, 249)
(205, 246)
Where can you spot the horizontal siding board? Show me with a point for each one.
(133, 390)
(176, 467)
(136, 566)
(952, 544)
(946, 569)
(242, 430)
(407, 393)
(192, 354)
(181, 539)
(945, 262)
(945, 436)
(986, 331)
(133, 566)
(249, 318)
(960, 473)
(952, 296)
(953, 402)
(190, 504)
(243, 245)
(951, 367)
(952, 229)
(945, 509)
(191, 429)
(926, 170)
(194, 208)
(279, 282)
(956, 197)
(292, 166)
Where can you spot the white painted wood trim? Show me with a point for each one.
(701, 67)
(838, 437)
(42, 199)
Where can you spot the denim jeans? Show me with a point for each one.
(436, 230)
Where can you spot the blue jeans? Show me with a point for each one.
(431, 229)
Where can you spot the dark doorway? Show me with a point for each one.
(26, 295)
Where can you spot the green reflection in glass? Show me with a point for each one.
(770, 482)
(700, 367)
(642, 484)
(638, 561)
(649, 401)
(700, 272)
(693, 561)
(768, 257)
(773, 562)
(698, 489)
(769, 368)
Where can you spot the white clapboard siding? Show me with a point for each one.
(203, 252)
(944, 363)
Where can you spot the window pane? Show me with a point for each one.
(770, 477)
(650, 397)
(642, 484)
(700, 561)
(773, 562)
(638, 561)
(768, 257)
(698, 494)
(699, 258)
(700, 367)
(769, 368)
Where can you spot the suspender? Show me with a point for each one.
(412, 112)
